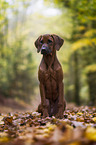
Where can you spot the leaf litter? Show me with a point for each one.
(78, 127)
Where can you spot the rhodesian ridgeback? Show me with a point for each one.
(50, 76)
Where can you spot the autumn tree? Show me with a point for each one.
(17, 66)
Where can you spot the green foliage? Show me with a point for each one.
(90, 68)
(84, 39)
(86, 42)
(17, 76)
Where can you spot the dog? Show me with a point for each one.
(50, 76)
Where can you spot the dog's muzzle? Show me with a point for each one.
(45, 50)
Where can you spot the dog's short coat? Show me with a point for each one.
(50, 75)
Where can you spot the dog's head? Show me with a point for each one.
(48, 43)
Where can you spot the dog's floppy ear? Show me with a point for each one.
(37, 44)
(58, 41)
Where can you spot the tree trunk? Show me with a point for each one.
(91, 78)
(76, 79)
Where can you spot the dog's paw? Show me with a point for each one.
(59, 114)
(45, 113)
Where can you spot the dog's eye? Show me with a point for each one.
(49, 41)
(41, 41)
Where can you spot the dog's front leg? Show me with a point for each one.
(43, 101)
(61, 101)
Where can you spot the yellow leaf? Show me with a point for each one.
(52, 127)
(45, 135)
(46, 130)
(1, 122)
(90, 68)
(82, 28)
(69, 127)
(3, 137)
(79, 113)
(81, 43)
(90, 33)
(75, 143)
(94, 119)
(90, 133)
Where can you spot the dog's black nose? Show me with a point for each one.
(43, 50)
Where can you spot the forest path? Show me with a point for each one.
(78, 127)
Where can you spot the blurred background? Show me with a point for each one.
(21, 23)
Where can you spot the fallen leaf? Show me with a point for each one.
(90, 133)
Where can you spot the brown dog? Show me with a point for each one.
(50, 76)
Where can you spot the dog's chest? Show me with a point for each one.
(50, 75)
(50, 79)
(51, 87)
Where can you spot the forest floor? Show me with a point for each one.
(20, 125)
(14, 105)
